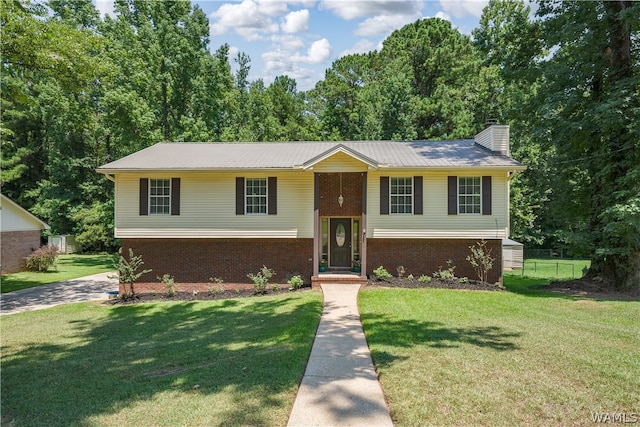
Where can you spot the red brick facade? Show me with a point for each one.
(16, 246)
(351, 192)
(194, 261)
(426, 256)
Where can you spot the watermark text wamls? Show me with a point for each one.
(614, 417)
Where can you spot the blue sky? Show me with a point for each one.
(302, 38)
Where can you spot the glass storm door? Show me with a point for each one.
(340, 241)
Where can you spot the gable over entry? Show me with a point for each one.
(340, 203)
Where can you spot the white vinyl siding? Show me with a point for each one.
(401, 195)
(469, 195)
(207, 207)
(159, 196)
(435, 221)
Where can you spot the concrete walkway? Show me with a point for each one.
(76, 290)
(340, 386)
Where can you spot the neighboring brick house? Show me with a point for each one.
(20, 233)
(202, 210)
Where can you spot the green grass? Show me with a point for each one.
(552, 269)
(215, 363)
(68, 267)
(502, 358)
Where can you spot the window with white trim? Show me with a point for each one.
(401, 195)
(159, 197)
(256, 195)
(469, 195)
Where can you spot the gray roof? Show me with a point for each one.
(303, 155)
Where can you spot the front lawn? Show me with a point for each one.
(68, 267)
(449, 357)
(228, 362)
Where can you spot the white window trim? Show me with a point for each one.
(152, 196)
(266, 196)
(479, 178)
(412, 195)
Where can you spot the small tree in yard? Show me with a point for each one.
(261, 279)
(481, 260)
(129, 270)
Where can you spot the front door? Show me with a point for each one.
(340, 239)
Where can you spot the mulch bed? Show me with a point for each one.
(403, 282)
(584, 287)
(393, 282)
(199, 296)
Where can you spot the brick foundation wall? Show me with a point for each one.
(17, 245)
(426, 256)
(193, 261)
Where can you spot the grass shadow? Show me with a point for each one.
(385, 331)
(253, 351)
(540, 288)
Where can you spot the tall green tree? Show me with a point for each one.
(511, 47)
(592, 110)
(443, 64)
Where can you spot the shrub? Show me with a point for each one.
(42, 259)
(381, 273)
(446, 274)
(216, 289)
(424, 278)
(464, 280)
(410, 277)
(168, 280)
(481, 260)
(295, 282)
(261, 279)
(401, 270)
(129, 270)
(275, 288)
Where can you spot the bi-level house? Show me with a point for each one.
(203, 210)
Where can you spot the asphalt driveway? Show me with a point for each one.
(87, 288)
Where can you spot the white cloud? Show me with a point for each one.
(443, 15)
(384, 24)
(284, 59)
(351, 9)
(248, 18)
(296, 22)
(278, 62)
(462, 8)
(288, 42)
(318, 52)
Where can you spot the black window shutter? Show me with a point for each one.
(272, 196)
(175, 196)
(144, 196)
(384, 195)
(239, 195)
(453, 195)
(486, 195)
(417, 195)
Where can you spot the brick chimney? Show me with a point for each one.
(494, 137)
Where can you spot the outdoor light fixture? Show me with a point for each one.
(340, 198)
